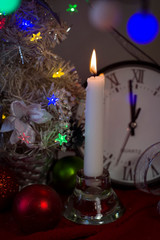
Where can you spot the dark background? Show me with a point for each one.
(83, 36)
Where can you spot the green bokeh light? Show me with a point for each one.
(9, 6)
(72, 8)
(61, 139)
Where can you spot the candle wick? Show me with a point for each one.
(94, 74)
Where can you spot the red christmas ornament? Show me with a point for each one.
(8, 188)
(37, 208)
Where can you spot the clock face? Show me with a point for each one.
(121, 148)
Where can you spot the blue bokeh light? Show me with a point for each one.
(52, 100)
(26, 24)
(142, 28)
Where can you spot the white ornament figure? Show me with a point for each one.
(105, 14)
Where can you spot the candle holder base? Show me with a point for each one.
(93, 201)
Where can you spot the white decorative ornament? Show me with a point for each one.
(104, 14)
(20, 121)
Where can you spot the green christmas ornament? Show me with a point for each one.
(64, 173)
(9, 6)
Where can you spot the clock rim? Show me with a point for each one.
(129, 63)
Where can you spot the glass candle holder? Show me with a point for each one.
(93, 201)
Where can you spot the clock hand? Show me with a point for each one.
(133, 125)
(128, 135)
(137, 114)
(132, 101)
(124, 145)
(131, 98)
(134, 114)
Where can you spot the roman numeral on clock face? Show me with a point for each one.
(138, 75)
(114, 81)
(128, 172)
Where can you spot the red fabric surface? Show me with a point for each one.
(140, 221)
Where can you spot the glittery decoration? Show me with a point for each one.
(61, 139)
(36, 37)
(21, 55)
(72, 8)
(68, 29)
(8, 188)
(58, 74)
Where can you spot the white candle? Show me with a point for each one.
(94, 115)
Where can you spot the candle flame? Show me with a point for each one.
(93, 63)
